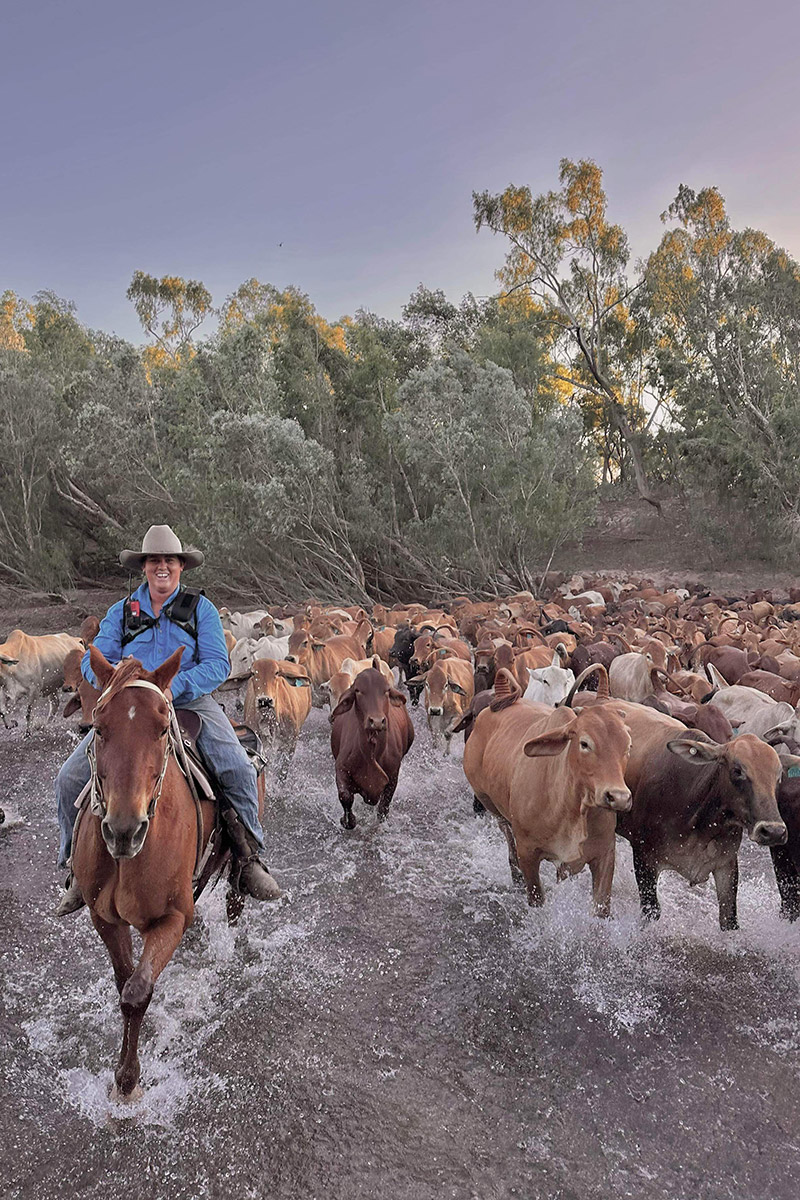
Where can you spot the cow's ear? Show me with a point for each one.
(102, 668)
(696, 752)
(418, 678)
(396, 698)
(72, 705)
(548, 743)
(345, 704)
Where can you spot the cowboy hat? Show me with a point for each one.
(160, 539)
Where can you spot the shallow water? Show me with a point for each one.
(402, 1023)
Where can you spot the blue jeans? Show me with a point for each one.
(220, 748)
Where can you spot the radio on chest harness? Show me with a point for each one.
(182, 611)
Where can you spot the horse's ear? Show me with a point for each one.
(101, 666)
(163, 676)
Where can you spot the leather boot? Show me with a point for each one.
(72, 899)
(248, 872)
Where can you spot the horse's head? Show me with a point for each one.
(131, 747)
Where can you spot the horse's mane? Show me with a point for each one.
(124, 672)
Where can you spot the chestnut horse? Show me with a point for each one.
(134, 852)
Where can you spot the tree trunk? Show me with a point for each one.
(619, 421)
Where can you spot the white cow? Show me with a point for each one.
(751, 711)
(248, 649)
(549, 685)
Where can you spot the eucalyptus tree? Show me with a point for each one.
(725, 307)
(571, 261)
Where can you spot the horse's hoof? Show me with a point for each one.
(348, 821)
(117, 1096)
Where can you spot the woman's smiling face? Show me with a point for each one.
(163, 574)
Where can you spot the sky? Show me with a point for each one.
(336, 146)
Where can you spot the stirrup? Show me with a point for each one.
(71, 901)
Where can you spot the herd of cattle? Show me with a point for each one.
(608, 708)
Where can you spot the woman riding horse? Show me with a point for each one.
(159, 618)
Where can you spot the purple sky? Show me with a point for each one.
(191, 138)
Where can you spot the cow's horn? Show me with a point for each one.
(592, 669)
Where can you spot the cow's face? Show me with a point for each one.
(748, 775)
(443, 695)
(299, 646)
(371, 696)
(597, 745)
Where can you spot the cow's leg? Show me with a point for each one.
(159, 944)
(286, 754)
(386, 799)
(646, 880)
(602, 869)
(529, 858)
(346, 796)
(28, 714)
(726, 881)
(787, 878)
(477, 807)
(513, 862)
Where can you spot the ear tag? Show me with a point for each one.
(793, 773)
(693, 751)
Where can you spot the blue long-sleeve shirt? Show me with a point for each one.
(204, 665)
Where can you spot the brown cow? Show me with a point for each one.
(83, 696)
(448, 691)
(338, 684)
(554, 779)
(90, 627)
(371, 734)
(691, 804)
(322, 659)
(692, 799)
(276, 704)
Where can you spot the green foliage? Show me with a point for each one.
(453, 449)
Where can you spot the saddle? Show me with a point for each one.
(190, 723)
(201, 779)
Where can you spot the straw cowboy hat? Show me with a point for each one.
(160, 539)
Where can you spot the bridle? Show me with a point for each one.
(96, 799)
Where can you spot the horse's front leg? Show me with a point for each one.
(160, 941)
(117, 939)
